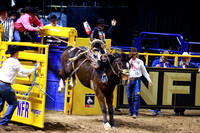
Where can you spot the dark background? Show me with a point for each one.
(122, 31)
(133, 17)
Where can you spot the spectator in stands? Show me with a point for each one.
(161, 62)
(53, 20)
(133, 89)
(24, 31)
(12, 14)
(185, 63)
(8, 24)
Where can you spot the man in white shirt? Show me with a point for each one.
(10, 69)
(54, 21)
(133, 89)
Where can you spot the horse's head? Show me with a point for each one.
(121, 68)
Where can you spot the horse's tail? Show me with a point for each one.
(61, 74)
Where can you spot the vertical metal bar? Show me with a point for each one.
(147, 58)
(43, 9)
(176, 61)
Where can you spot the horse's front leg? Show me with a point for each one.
(101, 100)
(109, 100)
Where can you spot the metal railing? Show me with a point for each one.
(178, 37)
(176, 56)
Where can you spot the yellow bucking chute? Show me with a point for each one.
(56, 32)
(32, 110)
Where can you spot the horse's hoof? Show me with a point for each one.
(71, 87)
(107, 126)
(114, 127)
(60, 90)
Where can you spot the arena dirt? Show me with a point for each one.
(58, 122)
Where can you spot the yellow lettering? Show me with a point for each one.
(150, 94)
(169, 88)
(197, 93)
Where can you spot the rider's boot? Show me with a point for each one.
(104, 78)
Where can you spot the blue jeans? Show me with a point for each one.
(7, 94)
(21, 37)
(133, 96)
(17, 37)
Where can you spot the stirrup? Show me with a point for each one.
(104, 79)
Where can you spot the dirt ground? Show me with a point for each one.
(58, 122)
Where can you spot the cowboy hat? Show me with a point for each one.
(165, 52)
(53, 17)
(133, 51)
(30, 9)
(102, 21)
(186, 53)
(13, 49)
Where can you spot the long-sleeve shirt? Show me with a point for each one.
(161, 63)
(10, 69)
(187, 64)
(25, 21)
(97, 33)
(8, 24)
(138, 69)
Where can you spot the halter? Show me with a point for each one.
(123, 71)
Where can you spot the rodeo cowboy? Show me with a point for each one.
(98, 33)
(10, 69)
(133, 89)
(24, 31)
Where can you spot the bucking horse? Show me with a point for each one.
(117, 73)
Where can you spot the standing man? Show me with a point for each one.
(133, 89)
(98, 33)
(8, 24)
(161, 62)
(11, 67)
(24, 31)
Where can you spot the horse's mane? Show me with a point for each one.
(117, 54)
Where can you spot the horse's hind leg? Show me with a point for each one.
(72, 82)
(61, 83)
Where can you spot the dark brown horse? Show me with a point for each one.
(89, 77)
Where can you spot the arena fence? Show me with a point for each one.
(172, 87)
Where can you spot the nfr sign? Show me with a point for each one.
(172, 87)
(23, 109)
